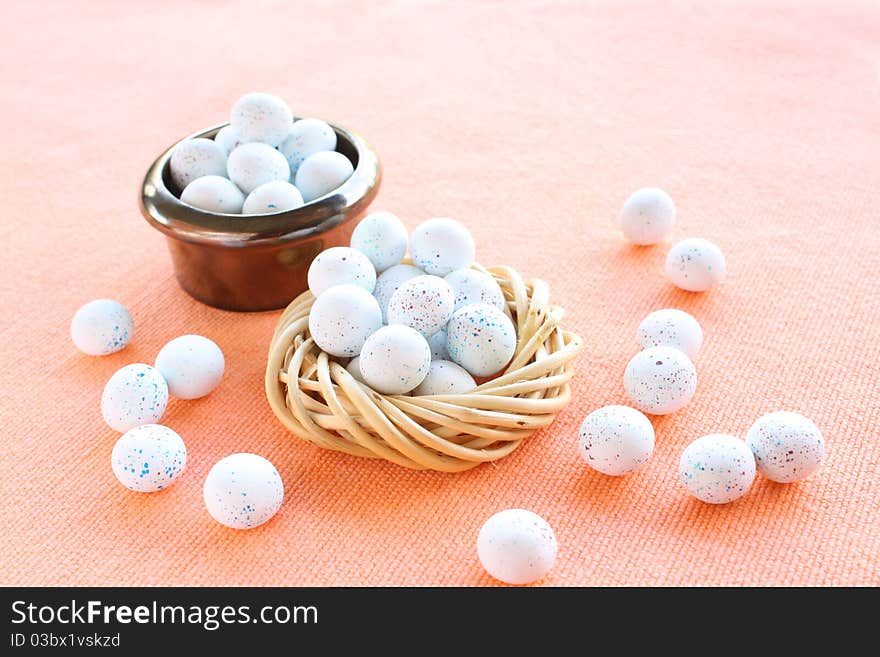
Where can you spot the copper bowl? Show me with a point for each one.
(260, 261)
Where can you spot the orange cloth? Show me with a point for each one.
(530, 123)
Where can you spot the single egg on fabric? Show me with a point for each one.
(307, 137)
(135, 395)
(228, 139)
(195, 158)
(341, 265)
(660, 380)
(275, 196)
(695, 264)
(445, 378)
(389, 281)
(214, 194)
(192, 365)
(471, 286)
(442, 245)
(481, 339)
(321, 173)
(342, 319)
(382, 237)
(424, 303)
(148, 458)
(354, 368)
(517, 546)
(671, 327)
(615, 440)
(261, 117)
(787, 446)
(717, 468)
(243, 491)
(101, 327)
(254, 164)
(437, 342)
(395, 359)
(647, 216)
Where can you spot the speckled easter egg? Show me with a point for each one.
(481, 339)
(101, 327)
(395, 359)
(424, 303)
(517, 546)
(254, 164)
(261, 117)
(717, 468)
(787, 446)
(471, 286)
(275, 196)
(135, 395)
(382, 237)
(214, 194)
(647, 216)
(195, 158)
(671, 327)
(442, 245)
(354, 368)
(660, 380)
(437, 342)
(148, 458)
(616, 440)
(445, 378)
(695, 264)
(192, 365)
(388, 282)
(307, 137)
(228, 139)
(342, 318)
(243, 491)
(341, 265)
(322, 173)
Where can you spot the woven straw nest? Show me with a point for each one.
(318, 400)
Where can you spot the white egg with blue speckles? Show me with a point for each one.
(214, 194)
(615, 440)
(322, 173)
(717, 468)
(481, 339)
(101, 327)
(243, 491)
(354, 368)
(254, 164)
(148, 458)
(660, 380)
(647, 216)
(445, 378)
(382, 237)
(388, 282)
(442, 245)
(136, 394)
(307, 137)
(437, 342)
(341, 265)
(195, 158)
(228, 139)
(424, 303)
(471, 286)
(275, 196)
(787, 446)
(695, 264)
(192, 366)
(261, 117)
(342, 319)
(395, 359)
(517, 546)
(671, 327)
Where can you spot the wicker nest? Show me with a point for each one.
(318, 400)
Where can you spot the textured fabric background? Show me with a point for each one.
(530, 122)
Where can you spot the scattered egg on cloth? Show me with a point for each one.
(660, 380)
(342, 319)
(192, 366)
(101, 327)
(395, 359)
(261, 117)
(382, 237)
(445, 378)
(471, 286)
(388, 282)
(671, 327)
(787, 446)
(717, 468)
(148, 458)
(275, 196)
(695, 264)
(243, 491)
(254, 164)
(321, 173)
(195, 158)
(437, 342)
(616, 440)
(517, 546)
(442, 245)
(228, 139)
(341, 265)
(307, 137)
(214, 194)
(647, 216)
(424, 303)
(481, 339)
(135, 395)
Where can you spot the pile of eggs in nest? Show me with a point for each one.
(262, 162)
(426, 328)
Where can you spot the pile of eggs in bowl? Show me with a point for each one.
(262, 162)
(428, 327)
